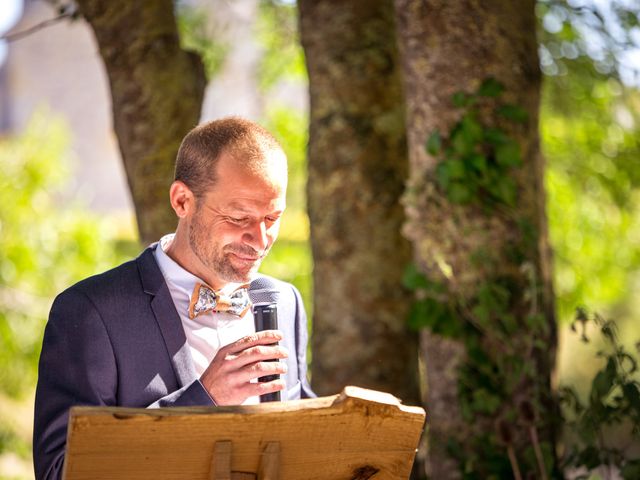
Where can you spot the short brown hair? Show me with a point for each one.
(202, 147)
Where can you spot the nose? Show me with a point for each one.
(257, 237)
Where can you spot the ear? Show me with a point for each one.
(182, 199)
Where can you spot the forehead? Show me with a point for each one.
(261, 183)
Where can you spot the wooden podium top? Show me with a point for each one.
(358, 434)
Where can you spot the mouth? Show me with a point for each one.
(245, 258)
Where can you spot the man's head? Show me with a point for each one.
(229, 194)
(202, 148)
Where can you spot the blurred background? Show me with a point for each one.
(66, 213)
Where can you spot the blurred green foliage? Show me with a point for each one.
(197, 35)
(47, 244)
(590, 132)
(277, 32)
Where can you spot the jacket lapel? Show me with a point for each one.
(166, 316)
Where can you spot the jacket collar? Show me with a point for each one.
(168, 320)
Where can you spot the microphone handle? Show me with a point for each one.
(266, 318)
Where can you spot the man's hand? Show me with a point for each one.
(228, 377)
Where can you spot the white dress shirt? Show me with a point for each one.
(209, 331)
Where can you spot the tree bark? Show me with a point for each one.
(357, 169)
(450, 47)
(156, 91)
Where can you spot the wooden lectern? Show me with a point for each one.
(356, 435)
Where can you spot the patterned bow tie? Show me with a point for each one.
(205, 299)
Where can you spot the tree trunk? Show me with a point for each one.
(156, 91)
(357, 168)
(490, 346)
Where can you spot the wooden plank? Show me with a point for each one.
(345, 436)
(221, 461)
(269, 467)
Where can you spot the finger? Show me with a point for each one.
(256, 389)
(262, 352)
(262, 369)
(264, 337)
(254, 355)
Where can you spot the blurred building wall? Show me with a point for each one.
(58, 69)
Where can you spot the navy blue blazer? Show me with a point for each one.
(115, 339)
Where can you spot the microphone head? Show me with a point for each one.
(264, 290)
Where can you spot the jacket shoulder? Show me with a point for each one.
(115, 278)
(117, 282)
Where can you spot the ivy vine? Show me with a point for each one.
(474, 160)
(475, 165)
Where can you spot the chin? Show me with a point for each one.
(241, 276)
(244, 271)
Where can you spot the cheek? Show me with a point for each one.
(217, 233)
(229, 234)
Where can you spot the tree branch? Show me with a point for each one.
(12, 37)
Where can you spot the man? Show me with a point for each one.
(144, 335)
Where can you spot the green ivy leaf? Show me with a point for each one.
(471, 129)
(508, 155)
(495, 136)
(479, 357)
(477, 162)
(481, 314)
(461, 142)
(432, 314)
(459, 193)
(413, 279)
(442, 175)
(510, 324)
(460, 99)
(504, 189)
(490, 88)
(514, 113)
(632, 396)
(418, 317)
(449, 326)
(603, 381)
(485, 402)
(434, 143)
(455, 168)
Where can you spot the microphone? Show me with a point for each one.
(264, 295)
